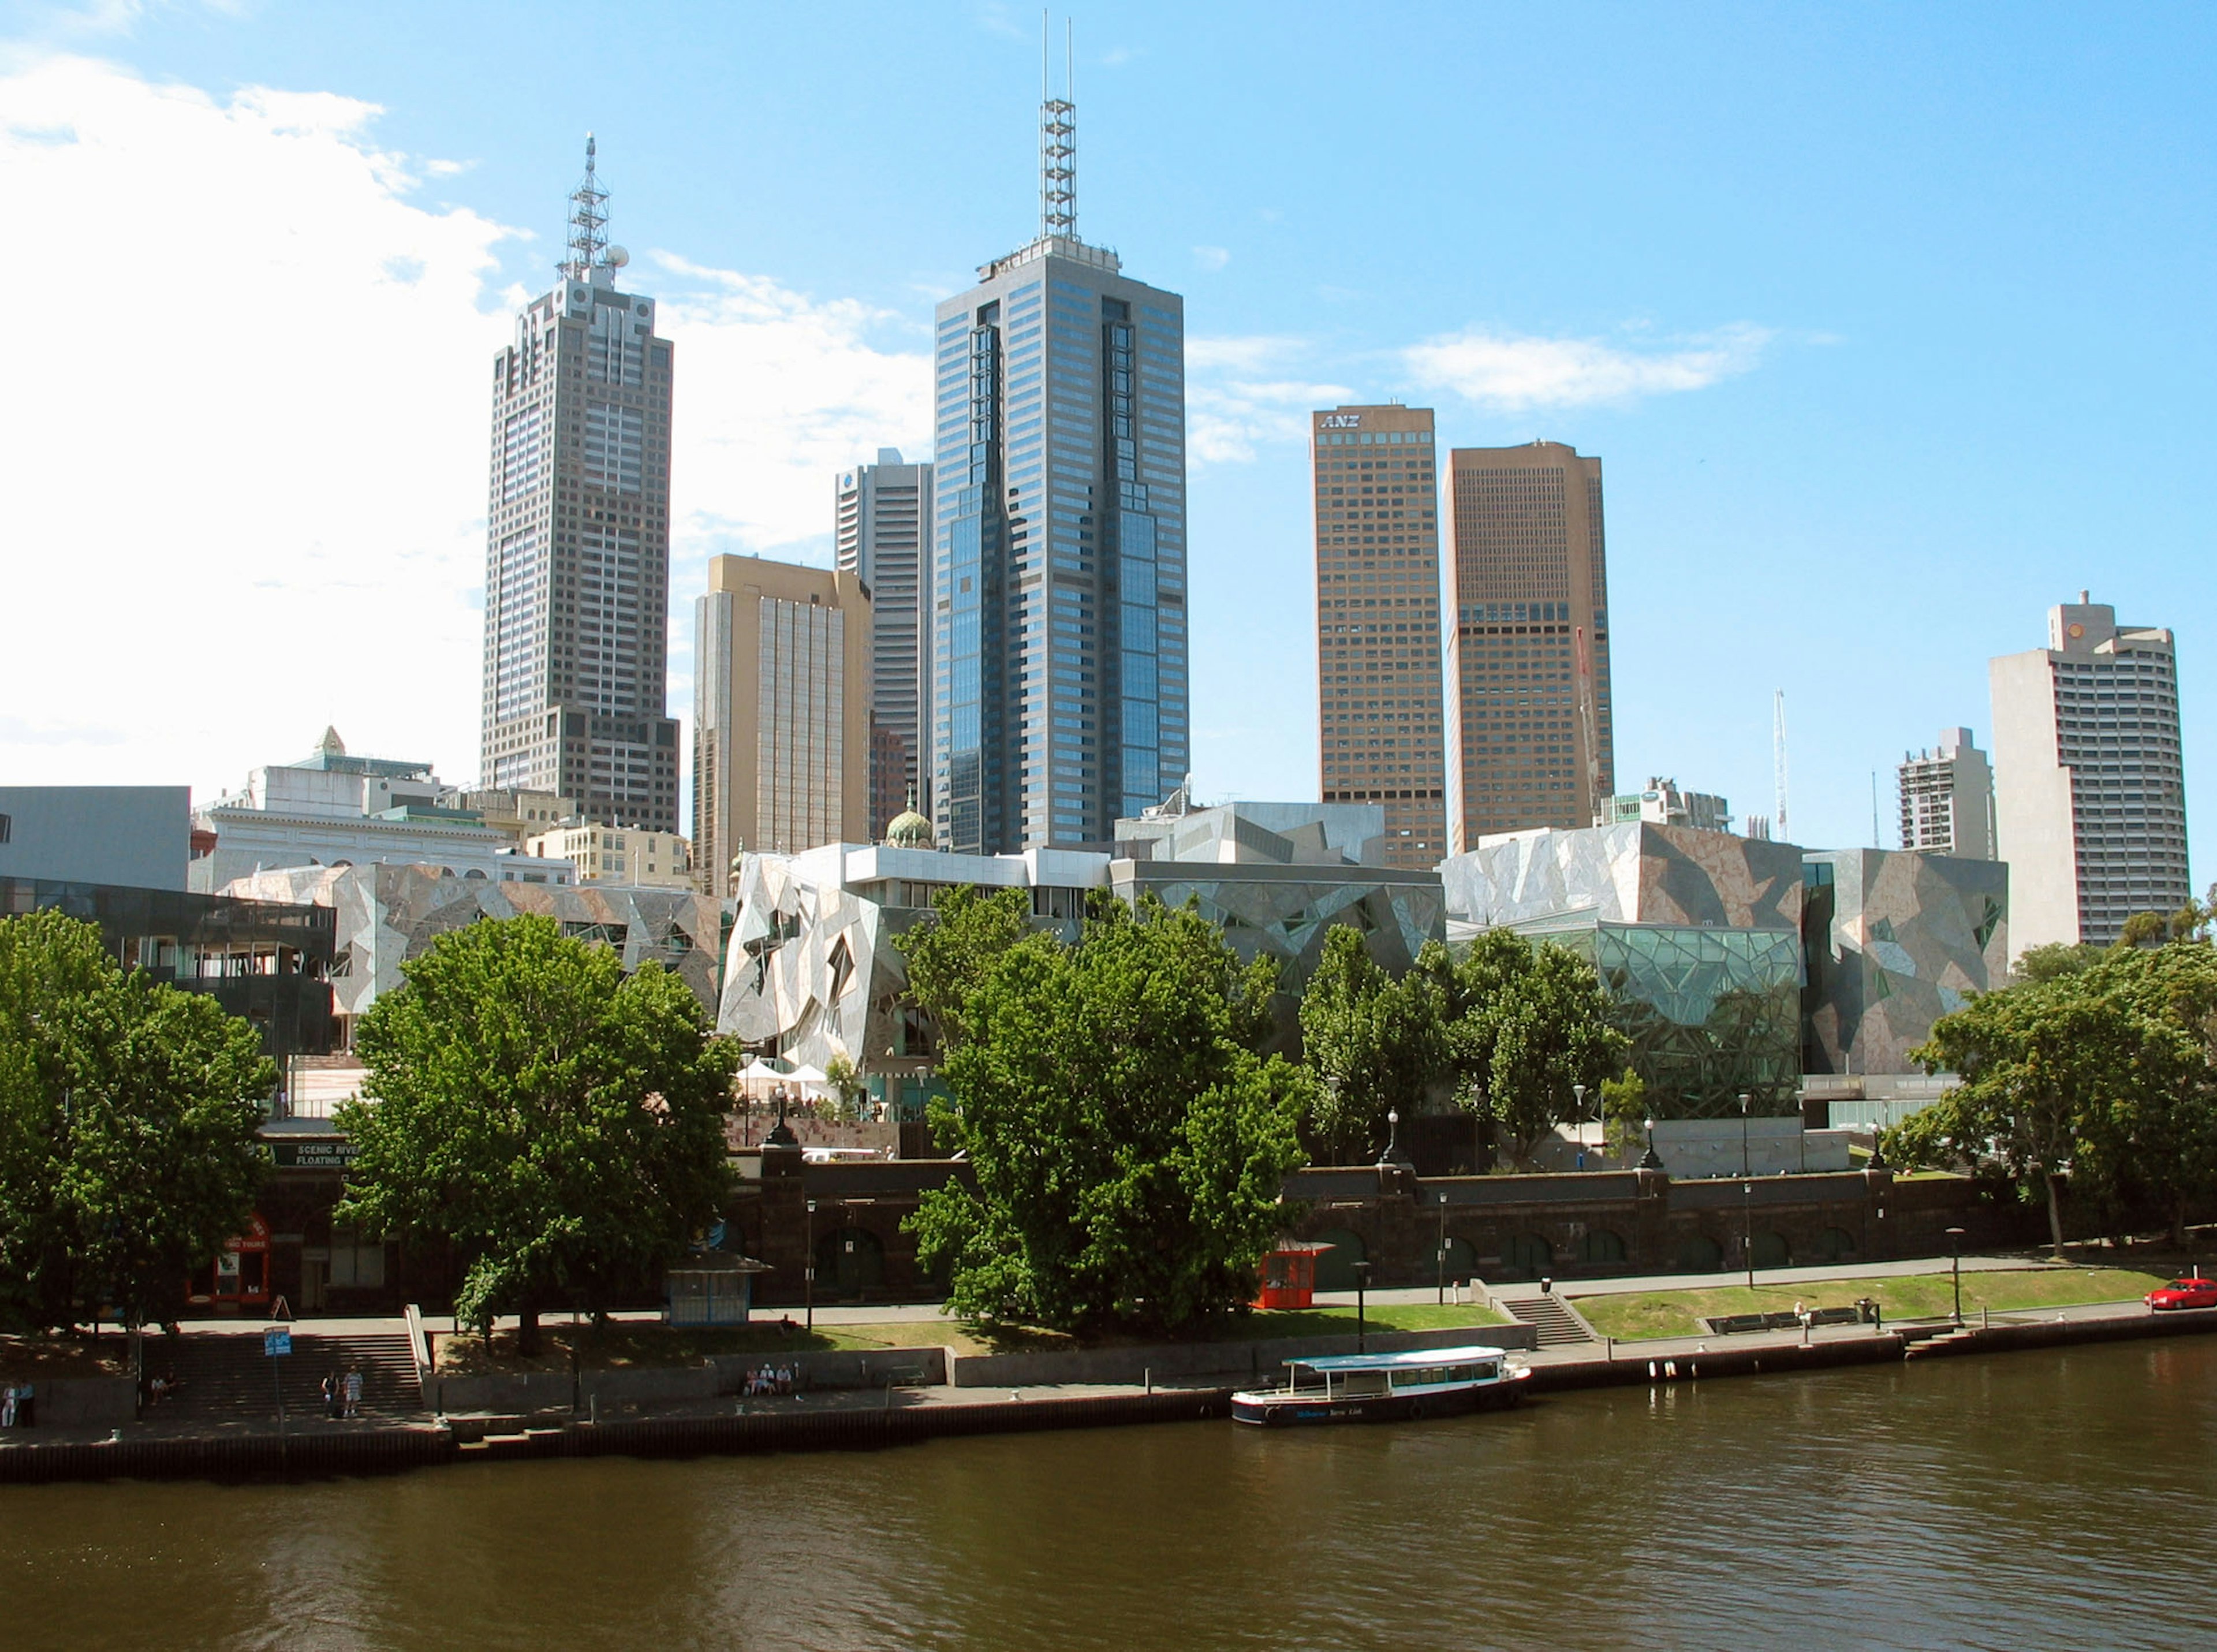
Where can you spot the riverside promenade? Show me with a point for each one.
(860, 1418)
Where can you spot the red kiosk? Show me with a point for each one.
(239, 1276)
(1289, 1274)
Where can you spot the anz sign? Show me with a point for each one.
(1343, 421)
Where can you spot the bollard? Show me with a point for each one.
(1148, 1374)
(1652, 1372)
(1671, 1368)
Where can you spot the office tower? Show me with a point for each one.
(1662, 804)
(1528, 736)
(883, 527)
(578, 544)
(1947, 799)
(1058, 661)
(780, 714)
(2089, 791)
(1378, 623)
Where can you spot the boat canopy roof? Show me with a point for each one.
(1402, 1361)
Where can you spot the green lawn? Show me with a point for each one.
(1632, 1315)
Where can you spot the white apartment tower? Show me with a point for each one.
(1947, 799)
(2089, 790)
(883, 531)
(578, 544)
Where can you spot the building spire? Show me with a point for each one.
(589, 222)
(1058, 144)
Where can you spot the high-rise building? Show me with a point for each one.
(1662, 803)
(1529, 742)
(1058, 655)
(781, 713)
(2090, 789)
(883, 529)
(578, 544)
(1947, 799)
(1378, 623)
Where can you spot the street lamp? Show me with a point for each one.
(1441, 1256)
(1956, 1256)
(1578, 1118)
(1361, 1272)
(808, 1268)
(1743, 1132)
(1747, 1230)
(1651, 1160)
(1392, 1136)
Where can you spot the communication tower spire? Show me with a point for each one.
(1058, 144)
(589, 222)
(1778, 759)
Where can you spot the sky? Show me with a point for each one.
(1890, 324)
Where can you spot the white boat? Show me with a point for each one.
(1387, 1387)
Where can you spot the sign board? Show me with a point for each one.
(277, 1341)
(331, 1153)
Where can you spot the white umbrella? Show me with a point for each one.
(808, 1075)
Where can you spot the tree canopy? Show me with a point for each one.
(1375, 1043)
(1127, 1142)
(128, 1118)
(561, 1122)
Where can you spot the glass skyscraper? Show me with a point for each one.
(1059, 688)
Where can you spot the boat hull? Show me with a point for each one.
(1274, 1409)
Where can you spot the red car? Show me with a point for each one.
(2184, 1293)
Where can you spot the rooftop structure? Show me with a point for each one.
(1662, 804)
(1948, 798)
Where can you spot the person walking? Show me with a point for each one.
(353, 1393)
(331, 1394)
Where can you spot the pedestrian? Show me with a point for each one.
(330, 1393)
(7, 1407)
(353, 1393)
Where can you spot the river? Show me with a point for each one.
(2033, 1499)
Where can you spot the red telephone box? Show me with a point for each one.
(1289, 1274)
(239, 1275)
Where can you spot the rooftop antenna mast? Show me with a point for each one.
(589, 222)
(1058, 142)
(1778, 759)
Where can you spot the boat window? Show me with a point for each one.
(1459, 1374)
(1490, 1368)
(1356, 1383)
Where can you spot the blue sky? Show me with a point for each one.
(1891, 327)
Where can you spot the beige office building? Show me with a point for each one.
(624, 855)
(1947, 799)
(1529, 742)
(2089, 788)
(781, 713)
(1379, 717)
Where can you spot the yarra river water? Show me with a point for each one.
(2033, 1499)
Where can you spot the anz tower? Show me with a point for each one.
(1058, 662)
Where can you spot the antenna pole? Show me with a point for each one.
(1778, 759)
(588, 221)
(1058, 154)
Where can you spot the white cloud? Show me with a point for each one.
(1211, 258)
(1241, 391)
(250, 387)
(1514, 371)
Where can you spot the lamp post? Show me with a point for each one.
(1441, 1255)
(808, 1268)
(1392, 1136)
(1955, 1256)
(1361, 1272)
(1747, 1230)
(1743, 1132)
(1578, 1119)
(1651, 1160)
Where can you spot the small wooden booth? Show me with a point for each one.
(714, 1289)
(1288, 1274)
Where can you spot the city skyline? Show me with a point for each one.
(1989, 540)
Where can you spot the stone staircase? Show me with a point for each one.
(225, 1376)
(1922, 1344)
(1557, 1326)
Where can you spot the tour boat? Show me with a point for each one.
(1386, 1388)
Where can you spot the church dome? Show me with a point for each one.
(910, 830)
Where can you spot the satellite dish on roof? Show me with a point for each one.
(616, 258)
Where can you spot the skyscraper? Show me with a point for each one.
(1947, 799)
(781, 713)
(578, 544)
(1378, 623)
(1528, 736)
(2089, 788)
(1058, 659)
(883, 529)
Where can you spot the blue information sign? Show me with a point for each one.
(277, 1341)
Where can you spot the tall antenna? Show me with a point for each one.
(589, 222)
(1058, 144)
(1778, 761)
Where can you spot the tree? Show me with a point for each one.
(1624, 1112)
(128, 1118)
(846, 1081)
(2154, 1140)
(561, 1122)
(1128, 1144)
(1376, 1044)
(2041, 964)
(950, 955)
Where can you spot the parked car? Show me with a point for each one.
(2184, 1293)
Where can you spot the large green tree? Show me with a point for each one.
(561, 1122)
(1375, 1043)
(1126, 1141)
(128, 1118)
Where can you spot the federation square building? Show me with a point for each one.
(1058, 687)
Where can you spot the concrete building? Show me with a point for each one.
(1057, 657)
(1948, 798)
(138, 836)
(1378, 623)
(1530, 739)
(2089, 787)
(1662, 804)
(519, 815)
(624, 855)
(334, 809)
(578, 544)
(883, 537)
(781, 713)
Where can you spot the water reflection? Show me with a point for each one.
(2011, 1502)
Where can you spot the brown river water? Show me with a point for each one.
(2024, 1500)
